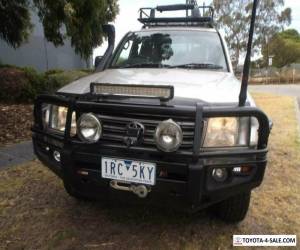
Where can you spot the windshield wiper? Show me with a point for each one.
(198, 66)
(145, 65)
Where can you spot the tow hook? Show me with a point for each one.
(140, 190)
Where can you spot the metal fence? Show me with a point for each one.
(271, 75)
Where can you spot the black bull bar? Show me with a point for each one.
(199, 111)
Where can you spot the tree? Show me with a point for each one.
(79, 20)
(233, 16)
(285, 47)
(15, 25)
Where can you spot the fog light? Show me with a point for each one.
(56, 156)
(82, 172)
(89, 128)
(242, 170)
(219, 174)
(168, 136)
(237, 169)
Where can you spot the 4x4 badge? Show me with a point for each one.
(134, 134)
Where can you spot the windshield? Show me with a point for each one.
(171, 49)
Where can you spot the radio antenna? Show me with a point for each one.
(245, 77)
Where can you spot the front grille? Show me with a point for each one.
(114, 127)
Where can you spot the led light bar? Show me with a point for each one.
(133, 90)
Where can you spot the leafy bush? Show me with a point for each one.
(22, 85)
(57, 80)
(8, 66)
(13, 81)
(35, 85)
(53, 71)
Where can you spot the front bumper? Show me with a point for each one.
(189, 180)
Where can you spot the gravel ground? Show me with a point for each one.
(15, 123)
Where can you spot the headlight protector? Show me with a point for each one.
(227, 132)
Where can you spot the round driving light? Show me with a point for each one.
(168, 136)
(56, 156)
(89, 128)
(219, 174)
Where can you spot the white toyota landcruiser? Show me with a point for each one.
(159, 118)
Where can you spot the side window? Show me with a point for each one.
(125, 53)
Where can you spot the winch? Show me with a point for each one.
(140, 190)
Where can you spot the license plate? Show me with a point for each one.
(128, 170)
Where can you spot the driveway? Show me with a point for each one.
(16, 154)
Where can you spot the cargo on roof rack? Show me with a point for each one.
(200, 16)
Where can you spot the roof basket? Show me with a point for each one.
(200, 16)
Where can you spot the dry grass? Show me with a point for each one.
(36, 213)
(280, 194)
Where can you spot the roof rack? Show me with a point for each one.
(197, 18)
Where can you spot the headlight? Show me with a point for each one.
(58, 117)
(254, 132)
(55, 117)
(227, 132)
(89, 128)
(168, 136)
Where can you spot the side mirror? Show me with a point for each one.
(98, 60)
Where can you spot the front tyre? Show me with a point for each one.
(75, 194)
(233, 209)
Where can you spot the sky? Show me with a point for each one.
(295, 6)
(129, 10)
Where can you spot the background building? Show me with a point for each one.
(40, 54)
